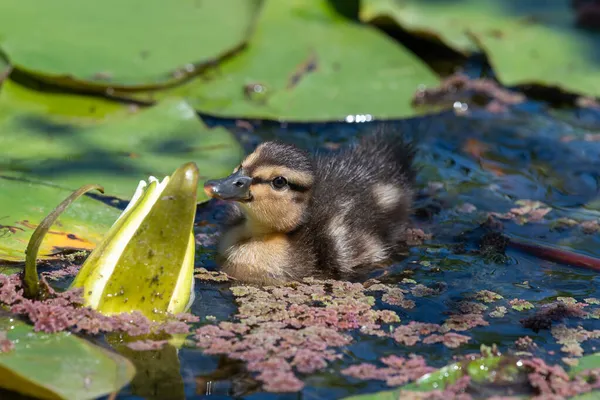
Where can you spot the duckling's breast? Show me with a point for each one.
(266, 259)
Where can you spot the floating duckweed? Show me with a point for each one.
(520, 305)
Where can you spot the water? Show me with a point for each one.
(524, 156)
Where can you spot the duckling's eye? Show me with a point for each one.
(279, 183)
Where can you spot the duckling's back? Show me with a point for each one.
(361, 202)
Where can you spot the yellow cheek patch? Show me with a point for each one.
(261, 191)
(268, 172)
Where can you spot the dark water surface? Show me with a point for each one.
(530, 152)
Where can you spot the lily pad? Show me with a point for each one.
(116, 153)
(591, 361)
(4, 68)
(59, 365)
(113, 42)
(490, 370)
(25, 204)
(444, 21)
(526, 42)
(58, 106)
(305, 62)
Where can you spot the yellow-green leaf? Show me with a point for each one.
(23, 205)
(145, 263)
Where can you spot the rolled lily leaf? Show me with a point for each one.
(146, 261)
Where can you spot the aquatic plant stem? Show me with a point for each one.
(556, 254)
(31, 281)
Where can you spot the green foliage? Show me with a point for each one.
(116, 153)
(25, 204)
(114, 42)
(480, 370)
(305, 62)
(526, 42)
(59, 365)
(146, 261)
(31, 278)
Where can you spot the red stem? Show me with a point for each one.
(557, 255)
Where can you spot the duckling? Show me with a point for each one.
(295, 215)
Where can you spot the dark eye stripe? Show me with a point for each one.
(293, 186)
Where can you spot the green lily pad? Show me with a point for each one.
(525, 43)
(15, 98)
(113, 42)
(4, 68)
(305, 62)
(591, 361)
(115, 153)
(25, 204)
(59, 365)
(446, 21)
(481, 370)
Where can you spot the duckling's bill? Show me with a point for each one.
(235, 187)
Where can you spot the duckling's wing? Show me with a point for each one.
(362, 200)
(390, 153)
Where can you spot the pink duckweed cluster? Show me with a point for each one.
(525, 344)
(290, 330)
(6, 344)
(298, 329)
(147, 345)
(527, 211)
(545, 382)
(397, 371)
(65, 272)
(571, 338)
(487, 296)
(459, 87)
(554, 312)
(205, 275)
(61, 311)
(552, 382)
(414, 332)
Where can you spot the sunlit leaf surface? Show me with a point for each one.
(134, 42)
(25, 204)
(306, 62)
(59, 365)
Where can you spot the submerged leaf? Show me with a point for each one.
(60, 365)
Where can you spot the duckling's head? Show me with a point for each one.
(272, 186)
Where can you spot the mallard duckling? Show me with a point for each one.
(328, 215)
